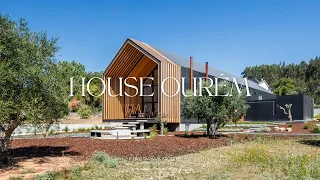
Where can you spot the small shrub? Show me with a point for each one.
(290, 125)
(66, 129)
(74, 104)
(186, 133)
(145, 135)
(165, 130)
(307, 125)
(316, 129)
(76, 172)
(154, 127)
(246, 136)
(85, 112)
(153, 134)
(105, 160)
(51, 131)
(317, 116)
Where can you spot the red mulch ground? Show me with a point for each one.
(82, 148)
(297, 128)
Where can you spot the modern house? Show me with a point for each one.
(138, 59)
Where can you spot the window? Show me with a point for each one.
(150, 103)
(260, 96)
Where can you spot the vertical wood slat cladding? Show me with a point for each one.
(113, 106)
(170, 106)
(125, 61)
(134, 62)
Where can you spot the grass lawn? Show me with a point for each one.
(261, 158)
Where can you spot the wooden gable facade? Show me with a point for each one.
(137, 59)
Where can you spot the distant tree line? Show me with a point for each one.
(289, 79)
(77, 71)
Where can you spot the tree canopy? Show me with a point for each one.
(303, 76)
(215, 109)
(30, 90)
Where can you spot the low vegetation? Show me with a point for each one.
(85, 111)
(261, 158)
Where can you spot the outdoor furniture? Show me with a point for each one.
(121, 132)
(135, 125)
(131, 126)
(99, 133)
(141, 132)
(141, 123)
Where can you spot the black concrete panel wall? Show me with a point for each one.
(308, 107)
(296, 109)
(261, 111)
(302, 109)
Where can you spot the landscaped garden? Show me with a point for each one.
(52, 129)
(168, 157)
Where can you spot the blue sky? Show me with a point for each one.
(230, 35)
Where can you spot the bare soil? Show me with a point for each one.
(82, 148)
(37, 156)
(28, 168)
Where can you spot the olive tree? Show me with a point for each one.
(215, 110)
(30, 93)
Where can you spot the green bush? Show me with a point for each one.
(145, 135)
(85, 111)
(317, 116)
(316, 129)
(153, 134)
(165, 130)
(186, 133)
(51, 131)
(290, 125)
(246, 136)
(76, 172)
(307, 125)
(66, 129)
(105, 160)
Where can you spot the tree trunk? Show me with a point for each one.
(161, 127)
(48, 130)
(209, 127)
(215, 127)
(4, 143)
(4, 151)
(289, 115)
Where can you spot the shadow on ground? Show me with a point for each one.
(311, 142)
(41, 152)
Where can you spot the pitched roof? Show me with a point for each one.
(197, 66)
